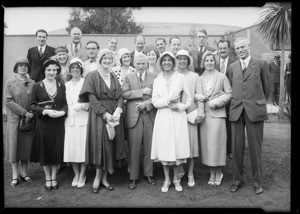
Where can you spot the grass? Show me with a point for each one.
(276, 160)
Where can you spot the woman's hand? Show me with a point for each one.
(28, 116)
(201, 98)
(56, 114)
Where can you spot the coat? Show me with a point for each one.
(220, 84)
(251, 91)
(82, 53)
(133, 93)
(36, 61)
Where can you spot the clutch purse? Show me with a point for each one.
(191, 117)
(26, 126)
(46, 104)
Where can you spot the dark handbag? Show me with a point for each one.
(26, 126)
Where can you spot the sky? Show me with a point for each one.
(26, 20)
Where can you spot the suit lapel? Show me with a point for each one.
(46, 53)
(249, 68)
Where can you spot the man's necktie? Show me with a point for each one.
(140, 78)
(222, 66)
(76, 48)
(41, 51)
(244, 68)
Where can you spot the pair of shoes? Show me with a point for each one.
(14, 182)
(133, 184)
(108, 187)
(74, 183)
(26, 178)
(235, 187)
(211, 183)
(48, 187)
(191, 181)
(150, 180)
(178, 186)
(81, 184)
(165, 187)
(258, 190)
(218, 183)
(56, 186)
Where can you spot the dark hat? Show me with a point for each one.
(50, 62)
(22, 60)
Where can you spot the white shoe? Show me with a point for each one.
(74, 183)
(191, 181)
(82, 183)
(165, 187)
(178, 186)
(218, 183)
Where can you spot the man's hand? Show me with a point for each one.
(147, 91)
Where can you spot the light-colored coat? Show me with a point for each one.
(220, 84)
(170, 140)
(133, 93)
(250, 91)
(82, 53)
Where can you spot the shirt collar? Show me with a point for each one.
(201, 48)
(246, 60)
(43, 48)
(78, 45)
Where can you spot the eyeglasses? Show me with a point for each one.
(201, 37)
(91, 49)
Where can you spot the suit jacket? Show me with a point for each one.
(133, 93)
(36, 61)
(82, 53)
(249, 91)
(274, 72)
(230, 61)
(195, 55)
(220, 84)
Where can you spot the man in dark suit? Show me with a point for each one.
(140, 115)
(223, 53)
(250, 80)
(76, 48)
(197, 52)
(39, 54)
(139, 43)
(275, 79)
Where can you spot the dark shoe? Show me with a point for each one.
(95, 190)
(56, 186)
(27, 179)
(235, 187)
(48, 187)
(258, 190)
(133, 184)
(14, 182)
(150, 180)
(108, 187)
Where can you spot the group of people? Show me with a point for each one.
(93, 107)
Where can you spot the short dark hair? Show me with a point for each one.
(160, 38)
(175, 37)
(222, 41)
(202, 31)
(42, 31)
(92, 41)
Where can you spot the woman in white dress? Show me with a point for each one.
(184, 60)
(124, 68)
(76, 125)
(170, 141)
(214, 92)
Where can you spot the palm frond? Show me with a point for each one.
(274, 25)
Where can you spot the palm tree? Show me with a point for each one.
(274, 25)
